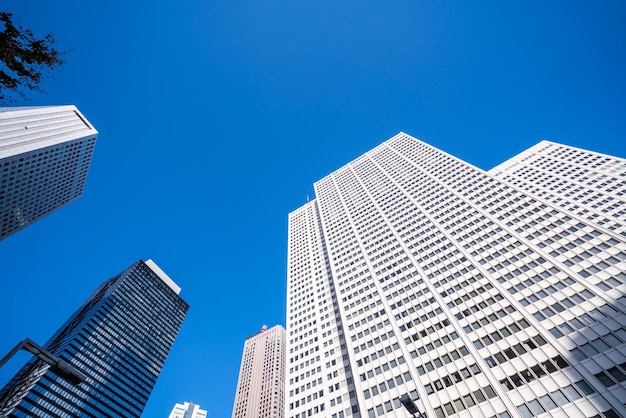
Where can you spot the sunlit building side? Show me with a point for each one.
(474, 293)
(261, 385)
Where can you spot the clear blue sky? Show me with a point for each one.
(216, 117)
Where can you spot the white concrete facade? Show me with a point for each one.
(187, 410)
(261, 385)
(45, 153)
(478, 294)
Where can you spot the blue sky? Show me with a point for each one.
(216, 117)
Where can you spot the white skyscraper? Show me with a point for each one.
(187, 410)
(261, 386)
(477, 294)
(45, 154)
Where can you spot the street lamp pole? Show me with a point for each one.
(57, 366)
(410, 406)
(22, 381)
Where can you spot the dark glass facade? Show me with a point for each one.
(119, 338)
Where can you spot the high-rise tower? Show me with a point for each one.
(45, 154)
(474, 293)
(261, 386)
(119, 339)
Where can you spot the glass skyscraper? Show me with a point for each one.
(119, 339)
(45, 153)
(474, 293)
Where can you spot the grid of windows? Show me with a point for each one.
(261, 386)
(413, 272)
(44, 158)
(119, 339)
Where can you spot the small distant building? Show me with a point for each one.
(261, 385)
(187, 410)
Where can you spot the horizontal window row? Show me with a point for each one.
(596, 346)
(560, 285)
(418, 320)
(535, 372)
(519, 348)
(365, 321)
(306, 399)
(381, 353)
(503, 332)
(417, 305)
(388, 406)
(435, 343)
(308, 386)
(429, 330)
(615, 375)
(404, 289)
(464, 298)
(455, 377)
(423, 318)
(311, 411)
(464, 402)
(472, 293)
(412, 284)
(382, 368)
(389, 384)
(557, 307)
(492, 317)
(554, 399)
(376, 340)
(440, 361)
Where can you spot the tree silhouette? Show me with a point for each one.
(25, 61)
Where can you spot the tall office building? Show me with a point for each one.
(119, 339)
(45, 154)
(187, 410)
(475, 293)
(261, 386)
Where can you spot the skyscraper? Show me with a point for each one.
(119, 339)
(261, 386)
(45, 154)
(187, 410)
(475, 293)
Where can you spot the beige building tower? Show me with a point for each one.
(261, 386)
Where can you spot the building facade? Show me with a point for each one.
(261, 385)
(187, 410)
(119, 339)
(475, 293)
(45, 154)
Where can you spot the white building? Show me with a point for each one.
(477, 294)
(187, 410)
(45, 154)
(261, 386)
